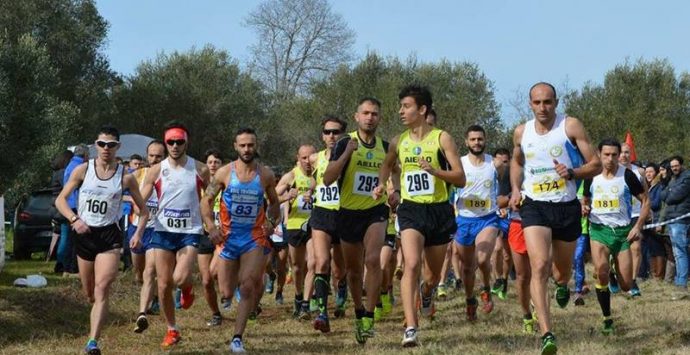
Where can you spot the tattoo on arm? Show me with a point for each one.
(213, 188)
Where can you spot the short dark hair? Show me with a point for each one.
(475, 128)
(213, 152)
(654, 166)
(333, 118)
(676, 157)
(611, 142)
(245, 130)
(501, 151)
(176, 124)
(371, 99)
(420, 94)
(543, 83)
(110, 130)
(135, 157)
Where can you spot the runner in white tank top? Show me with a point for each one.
(99, 239)
(544, 163)
(178, 181)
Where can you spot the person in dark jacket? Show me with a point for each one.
(677, 198)
(66, 251)
(57, 165)
(655, 241)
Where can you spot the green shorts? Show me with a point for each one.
(614, 238)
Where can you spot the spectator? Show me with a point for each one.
(58, 165)
(653, 242)
(677, 198)
(66, 251)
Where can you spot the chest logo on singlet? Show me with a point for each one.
(370, 155)
(614, 189)
(556, 151)
(417, 150)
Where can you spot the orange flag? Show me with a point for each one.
(629, 141)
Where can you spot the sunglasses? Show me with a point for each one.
(327, 132)
(109, 144)
(172, 142)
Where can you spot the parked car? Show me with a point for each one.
(32, 229)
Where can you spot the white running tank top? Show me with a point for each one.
(611, 200)
(478, 197)
(178, 199)
(99, 200)
(541, 182)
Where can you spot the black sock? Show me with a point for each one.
(237, 336)
(471, 301)
(527, 316)
(360, 313)
(321, 288)
(604, 298)
(505, 285)
(142, 314)
(369, 314)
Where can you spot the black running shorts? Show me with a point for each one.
(562, 217)
(99, 240)
(352, 225)
(435, 221)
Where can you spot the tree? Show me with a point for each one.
(647, 98)
(299, 40)
(204, 89)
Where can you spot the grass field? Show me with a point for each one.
(55, 320)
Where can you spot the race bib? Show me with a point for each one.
(549, 187)
(152, 205)
(605, 205)
(303, 206)
(365, 183)
(177, 218)
(419, 183)
(477, 204)
(328, 195)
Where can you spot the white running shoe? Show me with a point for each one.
(236, 346)
(410, 338)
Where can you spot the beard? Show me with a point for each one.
(247, 160)
(477, 152)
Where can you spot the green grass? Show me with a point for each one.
(55, 320)
(9, 239)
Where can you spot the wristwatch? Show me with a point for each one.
(73, 219)
(571, 174)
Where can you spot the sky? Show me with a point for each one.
(515, 43)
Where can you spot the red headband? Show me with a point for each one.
(175, 133)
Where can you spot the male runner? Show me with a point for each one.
(477, 220)
(178, 181)
(142, 253)
(297, 182)
(245, 226)
(326, 199)
(635, 244)
(546, 153)
(99, 239)
(361, 225)
(501, 257)
(612, 227)
(430, 163)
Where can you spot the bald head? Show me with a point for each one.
(542, 85)
(303, 154)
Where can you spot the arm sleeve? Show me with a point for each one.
(339, 148)
(633, 183)
(504, 188)
(587, 187)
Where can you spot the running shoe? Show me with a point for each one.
(562, 295)
(215, 321)
(635, 290)
(427, 307)
(155, 307)
(279, 298)
(607, 326)
(458, 285)
(368, 327)
(359, 332)
(613, 283)
(410, 338)
(548, 344)
(92, 348)
(528, 326)
(322, 324)
(187, 298)
(487, 302)
(387, 304)
(236, 346)
(378, 313)
(498, 285)
(471, 309)
(238, 295)
(178, 296)
(269, 285)
(313, 305)
(579, 299)
(398, 273)
(442, 292)
(226, 304)
(172, 337)
(303, 312)
(141, 324)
